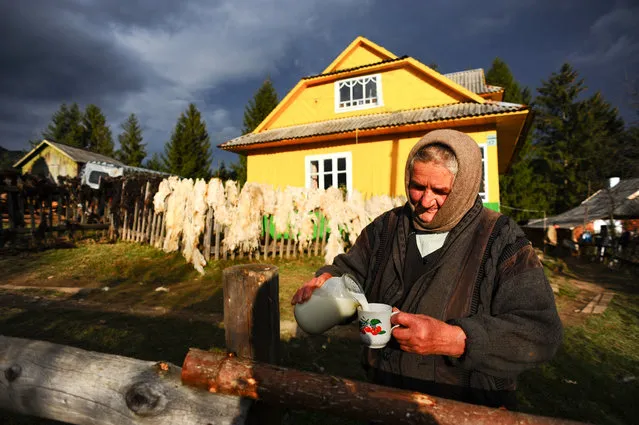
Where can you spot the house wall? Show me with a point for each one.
(377, 163)
(358, 57)
(402, 88)
(50, 163)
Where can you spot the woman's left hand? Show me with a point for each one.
(425, 335)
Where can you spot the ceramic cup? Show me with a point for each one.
(375, 329)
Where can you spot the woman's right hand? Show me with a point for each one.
(306, 290)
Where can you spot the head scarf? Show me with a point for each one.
(465, 186)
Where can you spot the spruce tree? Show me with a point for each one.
(155, 163)
(576, 140)
(132, 151)
(500, 75)
(66, 126)
(258, 108)
(188, 154)
(97, 134)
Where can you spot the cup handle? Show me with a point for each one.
(394, 326)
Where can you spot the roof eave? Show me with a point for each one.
(403, 128)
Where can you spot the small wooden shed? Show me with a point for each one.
(52, 159)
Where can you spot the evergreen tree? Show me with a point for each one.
(132, 151)
(576, 141)
(188, 154)
(258, 108)
(523, 195)
(155, 163)
(66, 126)
(500, 75)
(97, 134)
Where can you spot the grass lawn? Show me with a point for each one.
(119, 311)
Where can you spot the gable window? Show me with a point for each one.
(324, 171)
(358, 93)
(483, 185)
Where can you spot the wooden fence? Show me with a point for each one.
(81, 387)
(33, 215)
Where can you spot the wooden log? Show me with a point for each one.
(252, 322)
(223, 374)
(207, 233)
(83, 387)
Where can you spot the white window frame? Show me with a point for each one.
(379, 102)
(484, 160)
(320, 172)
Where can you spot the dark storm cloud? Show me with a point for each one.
(53, 54)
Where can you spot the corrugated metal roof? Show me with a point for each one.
(81, 155)
(473, 80)
(367, 122)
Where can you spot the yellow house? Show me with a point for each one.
(354, 124)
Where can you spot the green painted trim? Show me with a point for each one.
(492, 205)
(267, 223)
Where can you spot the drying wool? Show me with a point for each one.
(239, 214)
(283, 209)
(193, 225)
(270, 198)
(359, 216)
(306, 217)
(338, 214)
(164, 190)
(174, 216)
(245, 230)
(378, 205)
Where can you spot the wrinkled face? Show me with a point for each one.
(429, 187)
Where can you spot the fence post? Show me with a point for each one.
(252, 322)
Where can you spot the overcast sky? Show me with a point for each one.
(153, 57)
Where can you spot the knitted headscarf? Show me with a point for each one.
(465, 186)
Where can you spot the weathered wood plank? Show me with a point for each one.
(83, 387)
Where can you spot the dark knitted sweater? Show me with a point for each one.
(499, 296)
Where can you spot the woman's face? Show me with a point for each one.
(428, 189)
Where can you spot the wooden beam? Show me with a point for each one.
(224, 374)
(83, 387)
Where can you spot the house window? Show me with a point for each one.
(324, 171)
(483, 185)
(358, 93)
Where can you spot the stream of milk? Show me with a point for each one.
(361, 299)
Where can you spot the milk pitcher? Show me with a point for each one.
(331, 304)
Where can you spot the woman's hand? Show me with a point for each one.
(425, 335)
(306, 290)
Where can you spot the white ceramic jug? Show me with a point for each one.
(331, 304)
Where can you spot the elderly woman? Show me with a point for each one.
(476, 307)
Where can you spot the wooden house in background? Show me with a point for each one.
(51, 159)
(354, 124)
